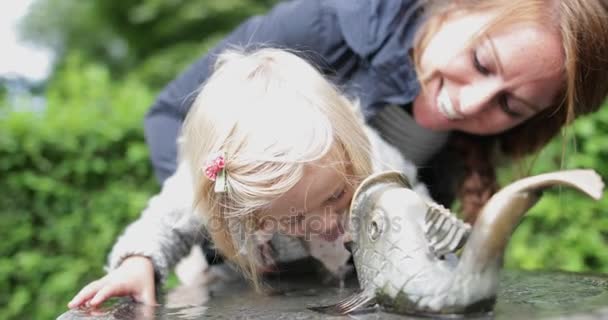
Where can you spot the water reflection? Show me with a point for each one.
(522, 295)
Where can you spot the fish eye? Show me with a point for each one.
(376, 225)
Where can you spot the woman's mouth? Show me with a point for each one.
(445, 106)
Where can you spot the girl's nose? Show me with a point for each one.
(333, 221)
(333, 228)
(478, 96)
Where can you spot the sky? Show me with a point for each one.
(19, 59)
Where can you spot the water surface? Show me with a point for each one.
(522, 295)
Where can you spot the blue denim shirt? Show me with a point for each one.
(361, 45)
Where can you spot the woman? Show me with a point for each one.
(448, 83)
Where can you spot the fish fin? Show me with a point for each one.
(349, 304)
(444, 231)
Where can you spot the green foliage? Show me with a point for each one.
(126, 35)
(162, 67)
(72, 177)
(566, 230)
(64, 25)
(75, 175)
(2, 91)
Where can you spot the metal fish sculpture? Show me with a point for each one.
(404, 247)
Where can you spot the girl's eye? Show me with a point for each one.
(503, 102)
(478, 66)
(336, 196)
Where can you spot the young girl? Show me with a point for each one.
(271, 152)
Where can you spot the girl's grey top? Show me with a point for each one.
(169, 227)
(361, 45)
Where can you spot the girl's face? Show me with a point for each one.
(316, 205)
(491, 85)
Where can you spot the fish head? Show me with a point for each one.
(384, 225)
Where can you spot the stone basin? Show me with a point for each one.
(522, 295)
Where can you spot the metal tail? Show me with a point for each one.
(501, 215)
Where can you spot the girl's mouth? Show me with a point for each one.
(332, 235)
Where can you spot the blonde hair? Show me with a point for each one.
(270, 113)
(583, 26)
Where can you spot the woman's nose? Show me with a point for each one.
(478, 96)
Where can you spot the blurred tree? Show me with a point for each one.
(73, 175)
(64, 25)
(2, 91)
(565, 230)
(127, 34)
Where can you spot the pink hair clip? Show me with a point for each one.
(215, 171)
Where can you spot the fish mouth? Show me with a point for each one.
(349, 246)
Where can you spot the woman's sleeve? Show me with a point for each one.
(166, 230)
(301, 25)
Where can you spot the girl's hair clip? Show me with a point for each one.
(215, 170)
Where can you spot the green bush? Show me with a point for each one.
(566, 230)
(72, 177)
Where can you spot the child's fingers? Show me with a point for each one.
(148, 297)
(85, 294)
(105, 293)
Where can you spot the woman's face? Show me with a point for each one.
(491, 85)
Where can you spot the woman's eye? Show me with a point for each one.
(478, 66)
(503, 102)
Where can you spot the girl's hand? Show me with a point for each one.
(134, 277)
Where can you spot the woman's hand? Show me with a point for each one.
(134, 277)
